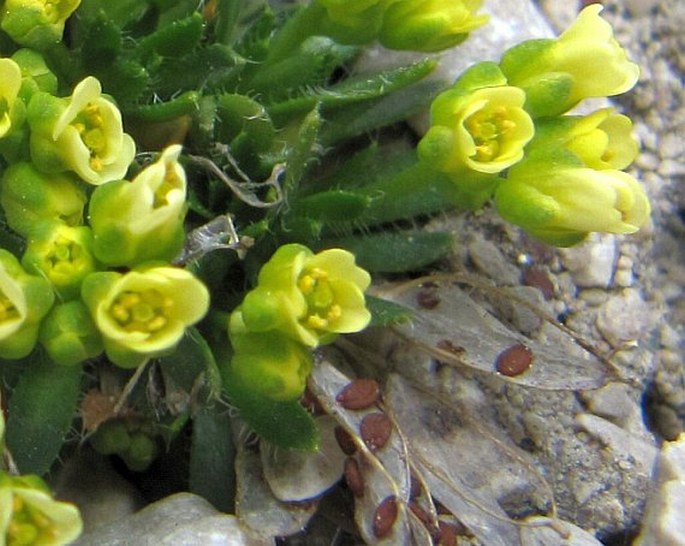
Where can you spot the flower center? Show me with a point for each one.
(145, 311)
(488, 128)
(321, 306)
(89, 124)
(28, 525)
(63, 254)
(170, 182)
(8, 310)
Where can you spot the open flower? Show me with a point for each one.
(10, 108)
(36, 23)
(560, 201)
(603, 139)
(269, 363)
(429, 25)
(145, 312)
(82, 133)
(585, 61)
(24, 301)
(141, 220)
(62, 254)
(477, 125)
(309, 297)
(29, 514)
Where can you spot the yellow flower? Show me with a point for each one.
(36, 23)
(24, 301)
(585, 61)
(141, 220)
(83, 134)
(62, 254)
(560, 203)
(29, 515)
(429, 25)
(145, 312)
(309, 297)
(10, 83)
(477, 125)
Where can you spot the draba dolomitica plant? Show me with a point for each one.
(196, 200)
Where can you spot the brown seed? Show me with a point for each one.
(514, 361)
(311, 403)
(423, 515)
(359, 394)
(450, 347)
(375, 430)
(427, 298)
(384, 517)
(537, 278)
(447, 535)
(353, 477)
(345, 440)
(414, 486)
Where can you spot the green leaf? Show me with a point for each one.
(173, 40)
(396, 252)
(355, 89)
(285, 424)
(41, 412)
(191, 358)
(387, 313)
(302, 149)
(211, 457)
(331, 206)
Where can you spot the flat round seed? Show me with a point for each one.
(375, 430)
(447, 536)
(353, 477)
(384, 517)
(423, 515)
(427, 298)
(345, 440)
(514, 361)
(359, 394)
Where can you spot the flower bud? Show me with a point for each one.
(602, 140)
(429, 25)
(560, 201)
(585, 61)
(145, 312)
(309, 297)
(12, 110)
(269, 363)
(477, 125)
(29, 514)
(36, 76)
(69, 334)
(24, 301)
(38, 24)
(30, 197)
(82, 133)
(352, 22)
(62, 254)
(141, 220)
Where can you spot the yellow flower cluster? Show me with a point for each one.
(503, 129)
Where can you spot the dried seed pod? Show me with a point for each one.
(345, 440)
(514, 361)
(375, 430)
(353, 477)
(385, 516)
(359, 394)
